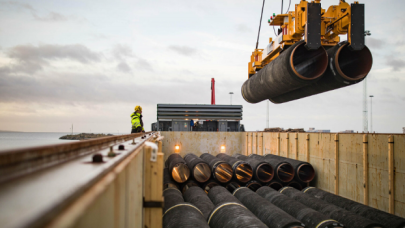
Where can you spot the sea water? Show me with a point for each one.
(18, 140)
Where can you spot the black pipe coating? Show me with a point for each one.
(304, 172)
(308, 216)
(386, 219)
(172, 197)
(167, 180)
(268, 213)
(184, 215)
(350, 219)
(178, 168)
(242, 171)
(294, 68)
(210, 184)
(262, 171)
(295, 185)
(229, 212)
(221, 170)
(275, 185)
(200, 170)
(283, 171)
(253, 185)
(345, 68)
(232, 186)
(188, 184)
(198, 197)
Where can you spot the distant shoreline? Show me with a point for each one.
(11, 131)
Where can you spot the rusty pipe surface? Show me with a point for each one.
(294, 68)
(345, 68)
(200, 170)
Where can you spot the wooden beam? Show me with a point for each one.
(288, 145)
(391, 174)
(278, 144)
(296, 146)
(307, 148)
(246, 144)
(337, 164)
(365, 169)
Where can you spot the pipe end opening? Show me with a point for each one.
(202, 172)
(276, 186)
(353, 65)
(244, 172)
(306, 173)
(223, 172)
(295, 185)
(285, 172)
(308, 64)
(265, 173)
(180, 173)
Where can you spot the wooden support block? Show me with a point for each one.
(278, 144)
(261, 143)
(153, 190)
(288, 145)
(307, 148)
(337, 164)
(251, 145)
(296, 146)
(246, 144)
(391, 174)
(159, 146)
(365, 169)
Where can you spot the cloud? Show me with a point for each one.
(395, 63)
(123, 67)
(31, 59)
(183, 50)
(144, 65)
(121, 51)
(242, 28)
(52, 16)
(374, 43)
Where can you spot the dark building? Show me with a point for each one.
(177, 117)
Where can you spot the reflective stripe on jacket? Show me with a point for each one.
(136, 120)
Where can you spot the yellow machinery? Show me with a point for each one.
(317, 26)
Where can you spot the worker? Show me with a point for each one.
(136, 120)
(191, 125)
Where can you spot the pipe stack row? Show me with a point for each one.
(232, 172)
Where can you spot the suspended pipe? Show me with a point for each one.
(242, 171)
(221, 170)
(295, 185)
(304, 172)
(188, 184)
(178, 168)
(200, 170)
(294, 68)
(167, 180)
(275, 185)
(198, 197)
(209, 185)
(350, 219)
(232, 186)
(386, 219)
(177, 213)
(345, 68)
(253, 185)
(284, 172)
(229, 212)
(262, 171)
(268, 213)
(308, 216)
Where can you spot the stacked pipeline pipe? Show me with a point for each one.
(268, 213)
(386, 219)
(253, 185)
(178, 168)
(200, 170)
(229, 211)
(188, 184)
(232, 186)
(221, 170)
(177, 213)
(308, 216)
(304, 172)
(294, 68)
(242, 171)
(345, 68)
(275, 185)
(283, 171)
(350, 219)
(167, 180)
(197, 197)
(210, 184)
(262, 171)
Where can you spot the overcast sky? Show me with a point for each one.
(90, 62)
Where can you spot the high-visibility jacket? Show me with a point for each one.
(136, 120)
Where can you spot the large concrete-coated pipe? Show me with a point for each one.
(283, 171)
(294, 68)
(304, 172)
(308, 216)
(253, 185)
(210, 184)
(350, 219)
(275, 185)
(268, 213)
(242, 171)
(232, 186)
(178, 168)
(295, 185)
(386, 219)
(221, 170)
(172, 197)
(229, 211)
(197, 197)
(167, 180)
(188, 184)
(346, 67)
(200, 170)
(262, 171)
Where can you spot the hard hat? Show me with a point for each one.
(138, 108)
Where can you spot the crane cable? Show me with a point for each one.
(260, 25)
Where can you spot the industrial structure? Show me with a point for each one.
(307, 57)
